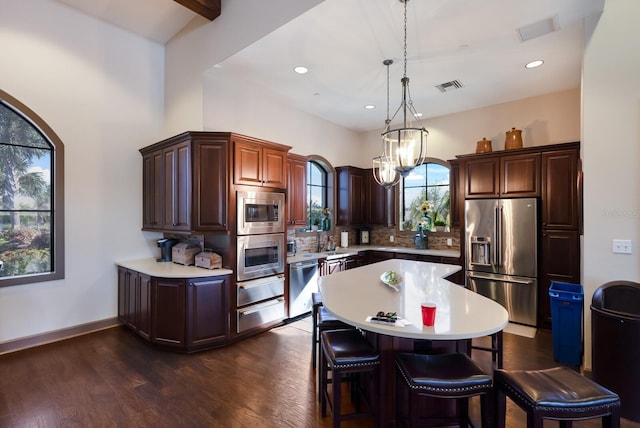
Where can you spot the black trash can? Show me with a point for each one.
(566, 322)
(615, 343)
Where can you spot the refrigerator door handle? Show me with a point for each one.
(497, 248)
(494, 278)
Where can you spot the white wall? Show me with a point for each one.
(101, 90)
(238, 107)
(546, 119)
(197, 49)
(611, 150)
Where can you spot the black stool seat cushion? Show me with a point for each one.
(559, 387)
(447, 375)
(326, 318)
(348, 348)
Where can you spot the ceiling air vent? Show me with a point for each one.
(538, 29)
(449, 86)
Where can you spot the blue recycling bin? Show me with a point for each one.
(566, 322)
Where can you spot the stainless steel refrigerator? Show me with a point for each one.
(501, 253)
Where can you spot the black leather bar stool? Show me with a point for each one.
(447, 376)
(322, 321)
(559, 393)
(347, 352)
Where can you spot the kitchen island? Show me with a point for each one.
(353, 295)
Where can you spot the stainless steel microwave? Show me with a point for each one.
(260, 256)
(260, 212)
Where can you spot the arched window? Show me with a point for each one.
(427, 182)
(31, 197)
(320, 191)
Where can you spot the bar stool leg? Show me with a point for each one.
(337, 396)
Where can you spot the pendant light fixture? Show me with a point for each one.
(405, 147)
(384, 170)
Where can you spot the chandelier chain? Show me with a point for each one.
(405, 38)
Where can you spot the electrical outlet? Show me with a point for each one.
(392, 238)
(449, 242)
(622, 246)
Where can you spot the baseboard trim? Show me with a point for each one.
(56, 335)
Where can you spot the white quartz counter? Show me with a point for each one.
(343, 252)
(169, 269)
(354, 294)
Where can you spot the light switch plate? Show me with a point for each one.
(622, 246)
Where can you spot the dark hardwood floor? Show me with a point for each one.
(112, 379)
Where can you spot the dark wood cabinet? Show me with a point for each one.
(134, 302)
(329, 266)
(560, 262)
(296, 190)
(380, 202)
(259, 163)
(168, 312)
(207, 312)
(492, 176)
(185, 183)
(520, 175)
(561, 223)
(362, 201)
(166, 188)
(175, 313)
(351, 196)
(560, 172)
(210, 184)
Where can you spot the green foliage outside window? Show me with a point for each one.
(25, 197)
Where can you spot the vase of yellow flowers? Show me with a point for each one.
(425, 209)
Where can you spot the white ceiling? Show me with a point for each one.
(343, 43)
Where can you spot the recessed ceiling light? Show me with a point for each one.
(534, 64)
(369, 107)
(300, 69)
(417, 115)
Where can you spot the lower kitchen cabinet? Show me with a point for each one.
(176, 313)
(134, 303)
(561, 263)
(329, 266)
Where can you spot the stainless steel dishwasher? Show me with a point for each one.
(303, 280)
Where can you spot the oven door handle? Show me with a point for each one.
(261, 308)
(260, 282)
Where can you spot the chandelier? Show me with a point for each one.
(384, 170)
(405, 147)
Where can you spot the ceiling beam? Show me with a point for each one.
(210, 9)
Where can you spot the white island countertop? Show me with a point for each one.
(355, 294)
(169, 269)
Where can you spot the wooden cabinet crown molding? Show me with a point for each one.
(210, 9)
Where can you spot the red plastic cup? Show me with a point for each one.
(428, 313)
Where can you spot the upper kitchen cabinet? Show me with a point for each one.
(259, 163)
(296, 190)
(351, 196)
(561, 189)
(380, 208)
(186, 184)
(501, 175)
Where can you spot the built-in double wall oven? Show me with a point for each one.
(261, 252)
